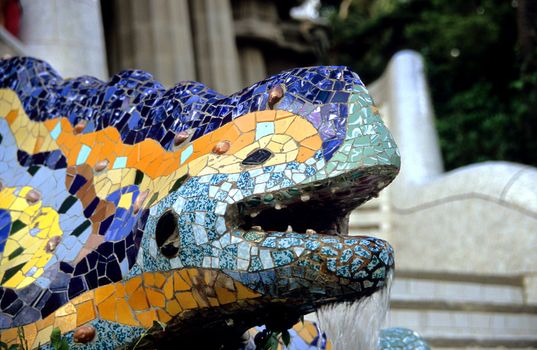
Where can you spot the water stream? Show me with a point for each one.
(356, 325)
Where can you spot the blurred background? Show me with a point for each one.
(464, 99)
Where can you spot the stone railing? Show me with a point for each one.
(474, 226)
(480, 218)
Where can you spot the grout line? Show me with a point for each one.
(511, 182)
(471, 195)
(512, 280)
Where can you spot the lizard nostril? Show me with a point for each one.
(275, 95)
(167, 234)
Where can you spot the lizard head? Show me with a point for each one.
(267, 195)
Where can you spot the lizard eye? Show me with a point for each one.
(275, 95)
(257, 157)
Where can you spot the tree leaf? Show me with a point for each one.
(273, 341)
(286, 337)
(55, 337)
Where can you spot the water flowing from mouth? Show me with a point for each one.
(356, 325)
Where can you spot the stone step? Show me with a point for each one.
(476, 347)
(366, 221)
(466, 324)
(448, 291)
(458, 343)
(471, 347)
(455, 311)
(370, 218)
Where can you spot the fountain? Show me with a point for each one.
(136, 216)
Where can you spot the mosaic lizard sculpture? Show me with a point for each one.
(123, 203)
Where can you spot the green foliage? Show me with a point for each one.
(269, 340)
(484, 100)
(4, 346)
(23, 343)
(271, 343)
(286, 337)
(58, 342)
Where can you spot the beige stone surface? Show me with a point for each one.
(452, 309)
(530, 288)
(482, 348)
(404, 100)
(67, 34)
(253, 67)
(522, 190)
(498, 181)
(153, 35)
(479, 219)
(10, 45)
(471, 235)
(430, 290)
(217, 57)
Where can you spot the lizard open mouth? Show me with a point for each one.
(321, 207)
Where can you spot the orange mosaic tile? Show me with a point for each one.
(186, 300)
(138, 299)
(85, 312)
(155, 297)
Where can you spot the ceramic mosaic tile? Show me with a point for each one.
(123, 203)
(307, 336)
